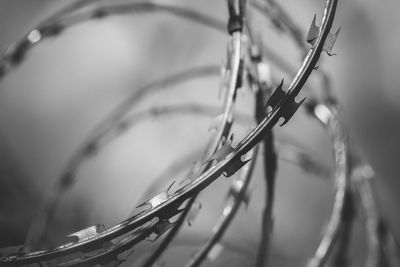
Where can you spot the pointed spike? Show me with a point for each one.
(314, 21)
(330, 42)
(276, 97)
(290, 109)
(169, 188)
(235, 165)
(281, 84)
(224, 151)
(172, 211)
(167, 214)
(313, 31)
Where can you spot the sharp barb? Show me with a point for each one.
(313, 33)
(276, 97)
(330, 42)
(234, 167)
(224, 151)
(290, 109)
(170, 187)
(170, 213)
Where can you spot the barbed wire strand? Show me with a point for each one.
(206, 178)
(216, 141)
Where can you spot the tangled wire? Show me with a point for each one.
(246, 68)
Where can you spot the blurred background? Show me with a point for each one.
(67, 85)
